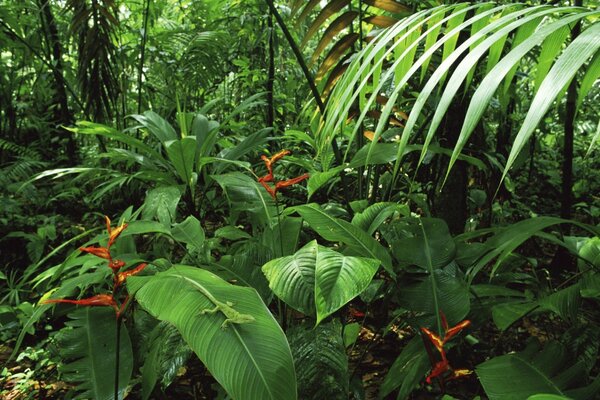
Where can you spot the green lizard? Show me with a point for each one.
(232, 316)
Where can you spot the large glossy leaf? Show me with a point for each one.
(444, 291)
(182, 153)
(157, 125)
(337, 230)
(424, 242)
(548, 370)
(88, 351)
(317, 280)
(167, 352)
(370, 219)
(250, 360)
(407, 370)
(161, 203)
(339, 278)
(246, 195)
(320, 359)
(189, 231)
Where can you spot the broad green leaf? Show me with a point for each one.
(166, 353)
(533, 371)
(424, 242)
(350, 334)
(339, 278)
(157, 125)
(337, 230)
(250, 360)
(317, 280)
(246, 195)
(91, 128)
(505, 314)
(440, 291)
(318, 179)
(321, 361)
(292, 278)
(161, 203)
(370, 219)
(564, 302)
(182, 153)
(88, 349)
(189, 231)
(407, 371)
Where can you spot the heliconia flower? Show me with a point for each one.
(98, 300)
(269, 176)
(113, 234)
(290, 182)
(437, 342)
(443, 366)
(101, 252)
(116, 265)
(459, 373)
(122, 276)
(456, 329)
(440, 368)
(269, 189)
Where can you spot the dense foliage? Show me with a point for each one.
(350, 199)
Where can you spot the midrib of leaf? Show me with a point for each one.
(264, 204)
(537, 371)
(237, 334)
(91, 353)
(433, 283)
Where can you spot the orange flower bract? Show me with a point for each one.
(270, 178)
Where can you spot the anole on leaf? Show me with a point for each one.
(231, 315)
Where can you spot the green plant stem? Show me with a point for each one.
(142, 55)
(117, 354)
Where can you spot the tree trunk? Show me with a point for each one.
(61, 115)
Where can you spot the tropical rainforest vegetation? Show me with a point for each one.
(278, 200)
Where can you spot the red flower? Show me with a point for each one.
(269, 176)
(101, 252)
(122, 276)
(98, 300)
(113, 234)
(440, 368)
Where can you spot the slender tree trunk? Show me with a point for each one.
(450, 203)
(62, 114)
(562, 259)
(142, 55)
(271, 76)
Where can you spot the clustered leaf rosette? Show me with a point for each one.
(269, 162)
(442, 369)
(118, 277)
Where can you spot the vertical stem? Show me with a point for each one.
(117, 356)
(142, 55)
(271, 72)
(307, 74)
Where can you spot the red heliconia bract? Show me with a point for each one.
(441, 367)
(269, 176)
